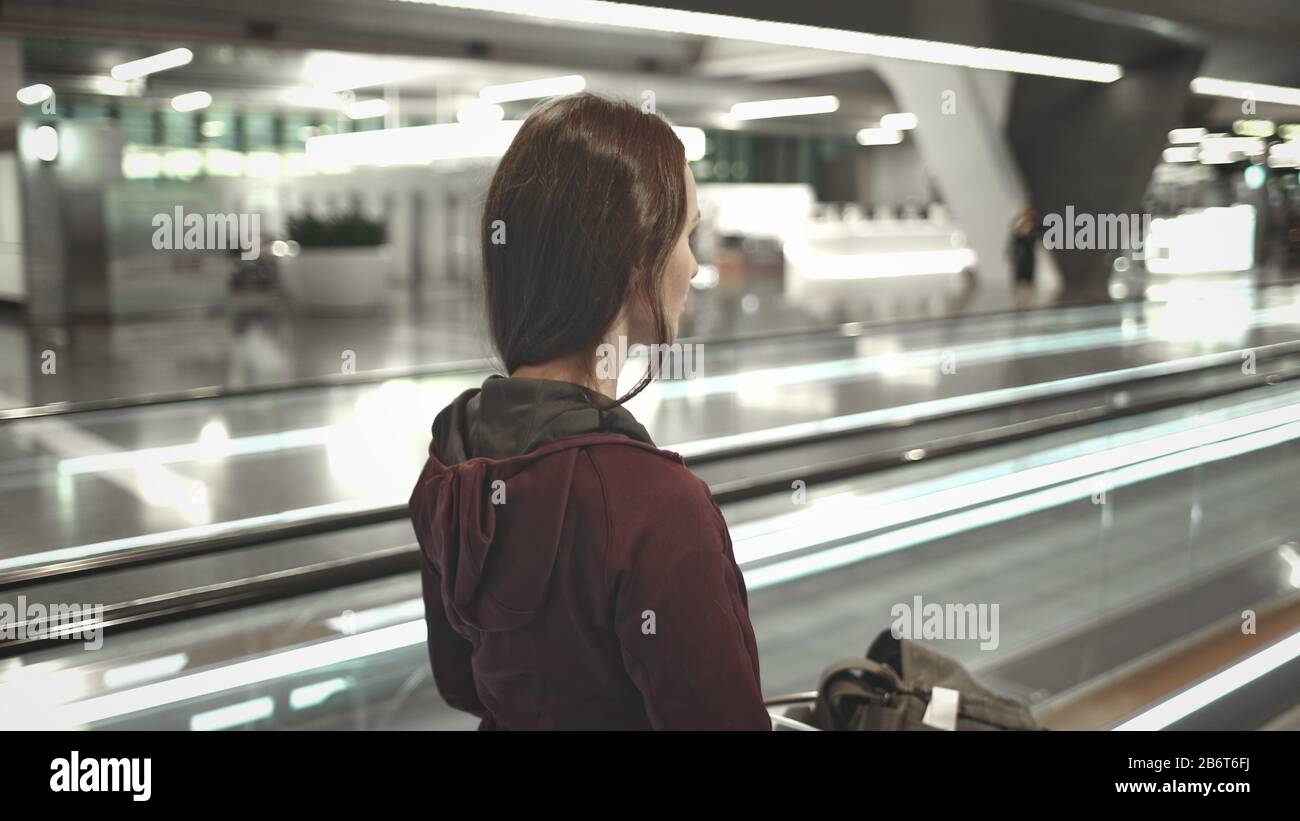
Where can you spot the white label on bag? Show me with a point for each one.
(942, 710)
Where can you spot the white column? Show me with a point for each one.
(13, 285)
(962, 113)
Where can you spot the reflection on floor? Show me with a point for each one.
(263, 341)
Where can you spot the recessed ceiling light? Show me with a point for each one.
(31, 95)
(533, 89)
(192, 101)
(136, 69)
(792, 107)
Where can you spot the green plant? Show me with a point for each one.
(348, 230)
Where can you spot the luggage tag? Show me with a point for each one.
(941, 712)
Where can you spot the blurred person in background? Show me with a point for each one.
(1022, 252)
(575, 575)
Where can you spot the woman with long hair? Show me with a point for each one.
(575, 575)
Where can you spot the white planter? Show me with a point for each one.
(337, 279)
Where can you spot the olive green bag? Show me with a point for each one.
(903, 685)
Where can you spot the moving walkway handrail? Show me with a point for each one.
(211, 598)
(727, 492)
(239, 538)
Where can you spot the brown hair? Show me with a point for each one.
(592, 197)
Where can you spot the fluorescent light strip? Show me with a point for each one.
(313, 695)
(136, 69)
(1229, 145)
(879, 136)
(192, 101)
(1187, 135)
(1259, 92)
(1216, 687)
(351, 648)
(728, 27)
(792, 107)
(235, 715)
(413, 145)
(422, 145)
(107, 85)
(902, 121)
(533, 89)
(141, 671)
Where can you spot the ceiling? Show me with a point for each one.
(259, 76)
(1251, 40)
(252, 51)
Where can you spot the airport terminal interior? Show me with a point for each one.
(997, 312)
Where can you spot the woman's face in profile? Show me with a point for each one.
(682, 266)
(680, 269)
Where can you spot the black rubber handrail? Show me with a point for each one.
(732, 491)
(392, 561)
(213, 598)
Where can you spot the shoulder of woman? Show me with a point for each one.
(650, 485)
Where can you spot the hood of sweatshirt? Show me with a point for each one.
(510, 417)
(501, 460)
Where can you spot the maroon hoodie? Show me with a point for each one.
(576, 576)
